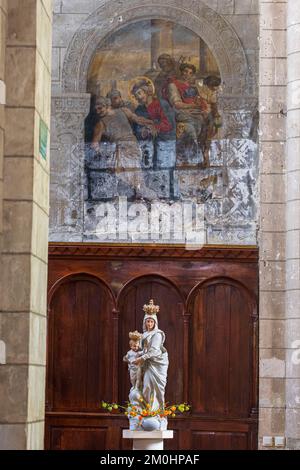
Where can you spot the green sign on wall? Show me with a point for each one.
(43, 139)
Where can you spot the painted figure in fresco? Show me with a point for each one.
(135, 371)
(90, 121)
(114, 127)
(149, 107)
(191, 109)
(168, 70)
(116, 100)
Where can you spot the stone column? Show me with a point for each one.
(3, 22)
(293, 228)
(25, 234)
(272, 219)
(67, 166)
(161, 40)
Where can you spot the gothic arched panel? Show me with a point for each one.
(79, 344)
(222, 333)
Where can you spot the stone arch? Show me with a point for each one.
(202, 20)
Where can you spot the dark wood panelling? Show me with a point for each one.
(221, 349)
(79, 343)
(76, 438)
(208, 301)
(218, 440)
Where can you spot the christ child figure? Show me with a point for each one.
(135, 351)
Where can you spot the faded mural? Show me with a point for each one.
(153, 116)
(157, 136)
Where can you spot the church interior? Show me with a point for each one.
(149, 171)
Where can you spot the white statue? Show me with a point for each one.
(135, 371)
(154, 361)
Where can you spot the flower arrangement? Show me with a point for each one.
(145, 410)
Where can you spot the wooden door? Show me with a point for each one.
(209, 314)
(80, 356)
(222, 361)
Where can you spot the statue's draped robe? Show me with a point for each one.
(155, 368)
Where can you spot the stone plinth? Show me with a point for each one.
(147, 440)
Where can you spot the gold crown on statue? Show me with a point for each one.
(135, 335)
(151, 309)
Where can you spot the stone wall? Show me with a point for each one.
(280, 222)
(3, 24)
(25, 228)
(272, 219)
(70, 14)
(292, 313)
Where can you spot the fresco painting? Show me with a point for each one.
(159, 130)
(145, 128)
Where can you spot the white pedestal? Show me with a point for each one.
(147, 440)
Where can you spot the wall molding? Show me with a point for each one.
(98, 250)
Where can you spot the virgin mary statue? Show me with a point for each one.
(154, 360)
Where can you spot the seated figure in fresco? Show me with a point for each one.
(190, 108)
(114, 126)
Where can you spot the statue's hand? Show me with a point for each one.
(138, 362)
